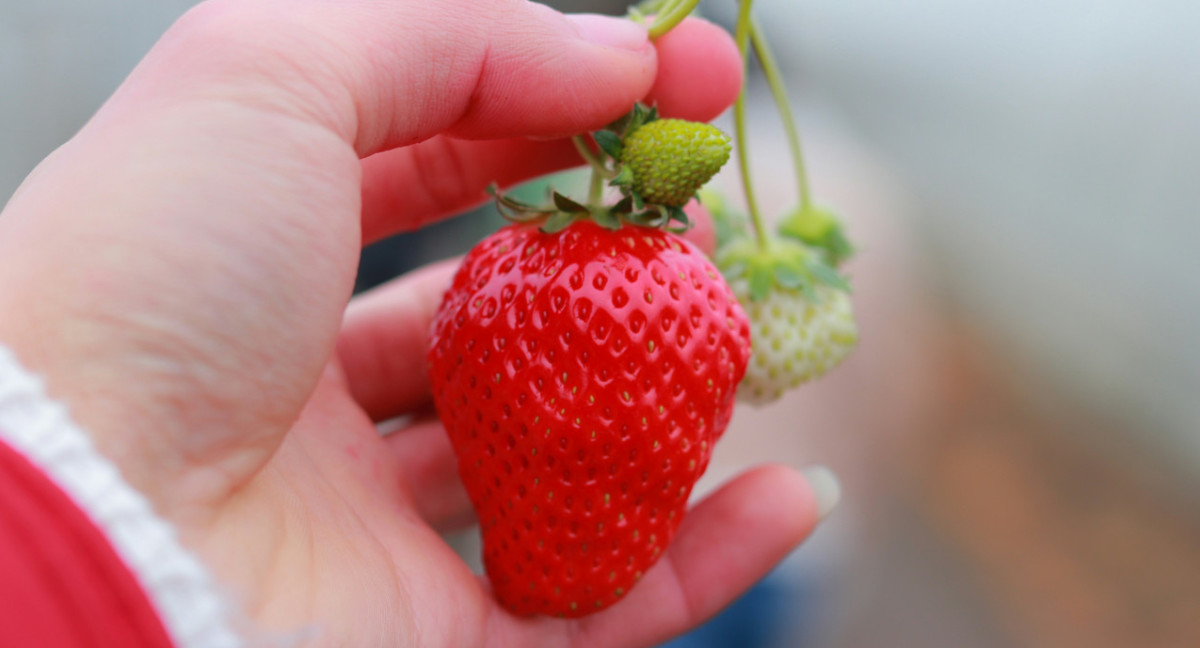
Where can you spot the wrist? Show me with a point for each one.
(78, 380)
(186, 599)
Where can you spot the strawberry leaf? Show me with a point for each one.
(515, 210)
(838, 246)
(513, 203)
(734, 270)
(607, 219)
(677, 214)
(609, 142)
(623, 206)
(819, 228)
(566, 204)
(624, 178)
(789, 278)
(825, 274)
(638, 203)
(558, 222)
(657, 218)
(761, 278)
(641, 115)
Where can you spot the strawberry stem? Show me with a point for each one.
(650, 7)
(742, 36)
(600, 171)
(672, 15)
(774, 78)
(588, 156)
(595, 188)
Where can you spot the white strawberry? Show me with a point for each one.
(796, 338)
(801, 318)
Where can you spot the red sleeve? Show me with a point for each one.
(61, 583)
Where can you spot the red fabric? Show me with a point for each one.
(61, 583)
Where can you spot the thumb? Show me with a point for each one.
(387, 74)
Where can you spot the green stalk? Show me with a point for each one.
(600, 172)
(647, 7)
(783, 106)
(592, 159)
(741, 35)
(595, 189)
(672, 15)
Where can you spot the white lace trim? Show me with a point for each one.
(179, 587)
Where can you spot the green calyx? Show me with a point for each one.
(560, 212)
(657, 164)
(782, 264)
(819, 228)
(804, 255)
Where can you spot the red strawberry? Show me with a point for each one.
(583, 377)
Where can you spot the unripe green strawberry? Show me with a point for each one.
(794, 339)
(670, 159)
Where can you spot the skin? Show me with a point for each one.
(179, 273)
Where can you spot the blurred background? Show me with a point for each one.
(1018, 436)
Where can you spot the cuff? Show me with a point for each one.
(186, 599)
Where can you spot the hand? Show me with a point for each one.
(179, 272)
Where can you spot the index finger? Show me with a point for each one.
(386, 74)
(700, 75)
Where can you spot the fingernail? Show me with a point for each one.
(826, 488)
(610, 31)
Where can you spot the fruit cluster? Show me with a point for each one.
(586, 359)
